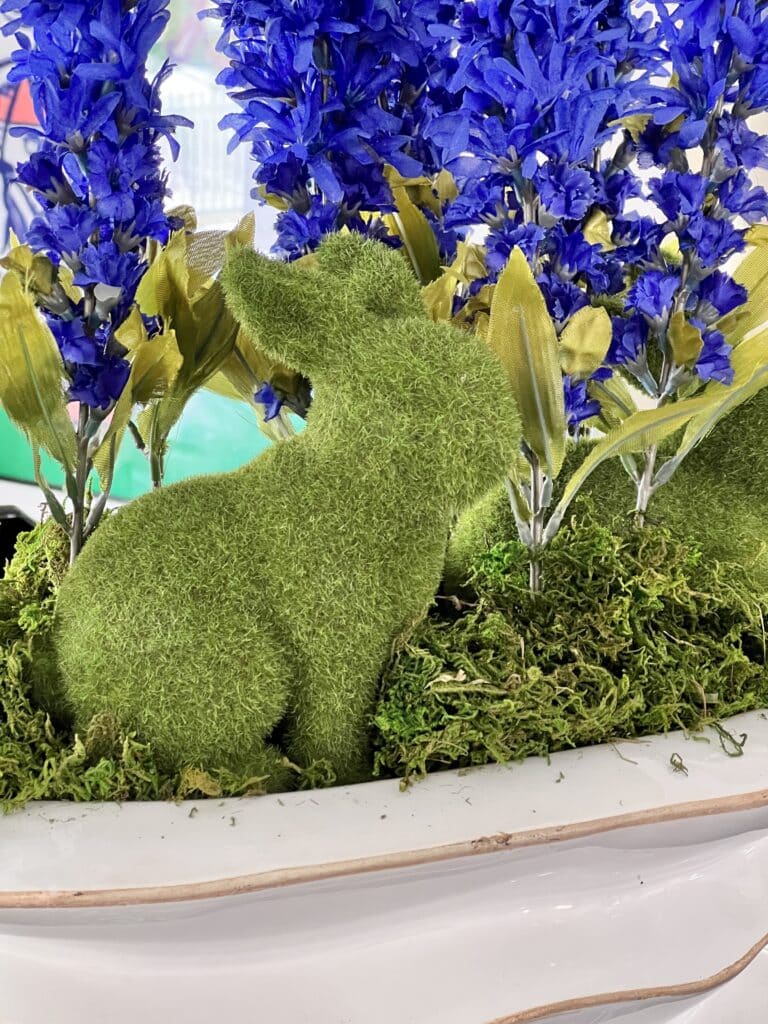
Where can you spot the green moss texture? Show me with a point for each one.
(718, 498)
(41, 759)
(635, 633)
(232, 620)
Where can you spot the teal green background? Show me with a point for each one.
(214, 435)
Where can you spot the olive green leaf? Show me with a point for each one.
(752, 273)
(438, 297)
(750, 374)
(32, 374)
(597, 230)
(155, 363)
(757, 235)
(685, 340)
(615, 397)
(585, 342)
(410, 225)
(521, 334)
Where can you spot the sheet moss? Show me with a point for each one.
(43, 760)
(636, 633)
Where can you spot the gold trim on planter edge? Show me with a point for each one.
(638, 995)
(279, 877)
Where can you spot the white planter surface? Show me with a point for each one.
(604, 885)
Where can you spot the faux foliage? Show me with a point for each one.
(96, 175)
(636, 633)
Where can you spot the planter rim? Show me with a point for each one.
(699, 986)
(96, 855)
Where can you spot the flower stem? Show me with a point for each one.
(645, 485)
(82, 472)
(537, 526)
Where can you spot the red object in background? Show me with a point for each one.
(23, 111)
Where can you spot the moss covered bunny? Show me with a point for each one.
(232, 619)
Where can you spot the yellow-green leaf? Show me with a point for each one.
(36, 272)
(615, 398)
(685, 340)
(165, 284)
(752, 272)
(438, 297)
(757, 235)
(523, 337)
(32, 374)
(469, 264)
(670, 248)
(185, 213)
(585, 341)
(635, 124)
(276, 202)
(418, 238)
(207, 251)
(445, 186)
(597, 230)
(749, 363)
(154, 365)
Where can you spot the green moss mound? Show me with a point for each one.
(41, 759)
(718, 498)
(636, 633)
(232, 619)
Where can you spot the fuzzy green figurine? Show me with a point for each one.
(718, 498)
(232, 619)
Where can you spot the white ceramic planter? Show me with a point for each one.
(604, 885)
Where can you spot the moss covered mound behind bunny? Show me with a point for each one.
(718, 498)
(232, 619)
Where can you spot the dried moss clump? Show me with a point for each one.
(636, 633)
(43, 760)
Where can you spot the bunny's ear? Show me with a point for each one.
(378, 278)
(284, 308)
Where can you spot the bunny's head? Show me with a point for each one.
(353, 321)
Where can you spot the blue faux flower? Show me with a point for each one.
(564, 191)
(718, 51)
(99, 386)
(679, 193)
(272, 402)
(562, 297)
(653, 294)
(97, 172)
(712, 240)
(330, 93)
(502, 240)
(630, 337)
(740, 146)
(579, 404)
(740, 197)
(714, 363)
(300, 233)
(720, 293)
